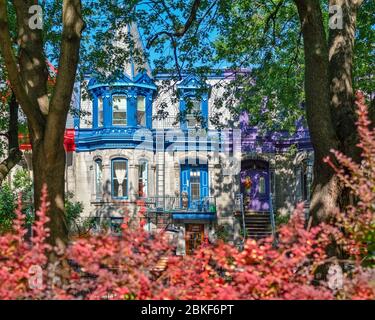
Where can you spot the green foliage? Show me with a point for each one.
(7, 207)
(281, 219)
(73, 210)
(22, 186)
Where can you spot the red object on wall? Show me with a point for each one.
(69, 143)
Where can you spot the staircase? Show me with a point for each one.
(160, 169)
(163, 220)
(257, 224)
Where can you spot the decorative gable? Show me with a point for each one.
(191, 82)
(143, 78)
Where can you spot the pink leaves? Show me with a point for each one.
(126, 267)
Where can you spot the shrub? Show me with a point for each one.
(126, 267)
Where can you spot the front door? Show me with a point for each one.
(255, 185)
(194, 183)
(194, 237)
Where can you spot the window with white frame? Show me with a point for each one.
(119, 113)
(195, 185)
(141, 111)
(98, 178)
(143, 179)
(119, 178)
(100, 112)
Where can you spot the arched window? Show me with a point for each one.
(100, 112)
(143, 179)
(120, 178)
(119, 110)
(98, 178)
(141, 111)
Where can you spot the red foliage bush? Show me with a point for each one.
(110, 267)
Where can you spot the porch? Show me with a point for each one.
(179, 208)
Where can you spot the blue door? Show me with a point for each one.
(194, 183)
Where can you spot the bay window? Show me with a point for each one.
(119, 113)
(141, 111)
(100, 112)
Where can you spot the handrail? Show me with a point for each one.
(273, 224)
(174, 203)
(239, 197)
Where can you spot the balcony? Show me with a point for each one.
(169, 122)
(183, 209)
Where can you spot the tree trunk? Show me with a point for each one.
(343, 110)
(14, 153)
(46, 114)
(325, 189)
(49, 170)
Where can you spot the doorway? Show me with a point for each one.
(255, 185)
(194, 237)
(194, 182)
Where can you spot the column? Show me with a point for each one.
(107, 109)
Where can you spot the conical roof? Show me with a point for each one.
(137, 62)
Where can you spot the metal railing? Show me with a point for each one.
(173, 203)
(239, 207)
(170, 122)
(272, 216)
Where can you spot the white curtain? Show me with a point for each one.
(120, 171)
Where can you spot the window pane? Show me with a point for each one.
(262, 185)
(195, 191)
(194, 110)
(100, 112)
(98, 178)
(119, 110)
(195, 185)
(141, 110)
(119, 176)
(142, 179)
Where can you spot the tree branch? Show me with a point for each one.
(30, 107)
(182, 31)
(273, 15)
(15, 154)
(73, 26)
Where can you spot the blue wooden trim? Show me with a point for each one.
(149, 110)
(192, 94)
(183, 123)
(185, 183)
(123, 84)
(204, 106)
(127, 176)
(194, 216)
(77, 117)
(95, 112)
(107, 110)
(132, 109)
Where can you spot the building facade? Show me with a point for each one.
(140, 142)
